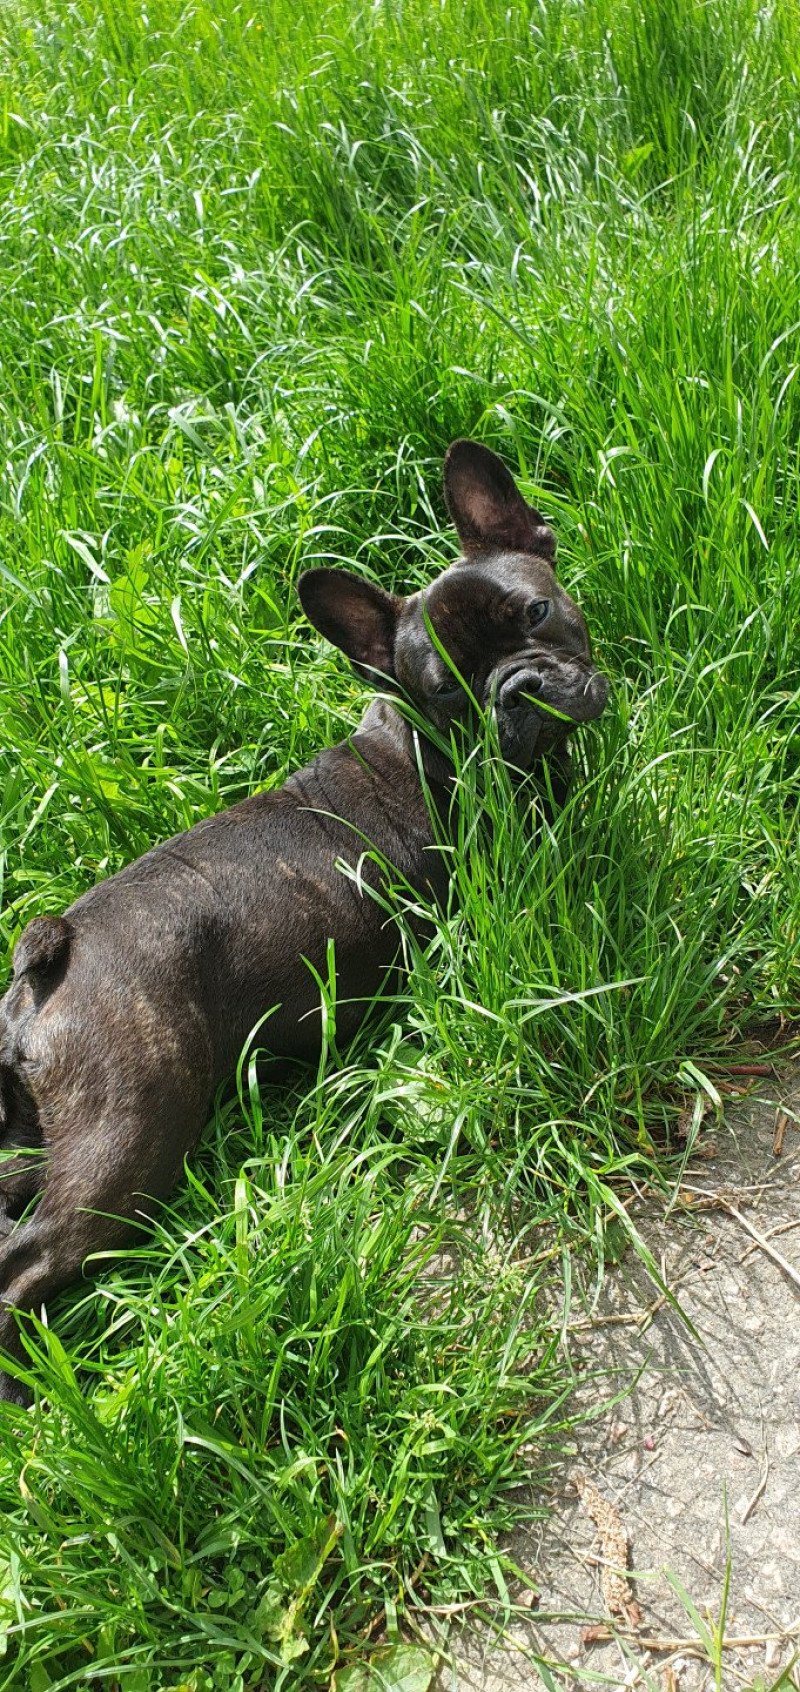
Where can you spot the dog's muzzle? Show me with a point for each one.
(539, 702)
(574, 694)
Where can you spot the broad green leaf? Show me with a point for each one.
(398, 1668)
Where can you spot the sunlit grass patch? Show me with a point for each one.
(260, 265)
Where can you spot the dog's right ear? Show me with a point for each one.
(487, 507)
(357, 616)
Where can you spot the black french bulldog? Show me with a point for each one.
(125, 1014)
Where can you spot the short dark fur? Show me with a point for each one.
(126, 1014)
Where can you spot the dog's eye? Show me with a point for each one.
(537, 611)
(446, 693)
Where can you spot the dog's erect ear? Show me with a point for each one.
(356, 616)
(487, 507)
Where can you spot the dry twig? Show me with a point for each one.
(781, 1125)
(763, 1243)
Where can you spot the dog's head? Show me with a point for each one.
(514, 640)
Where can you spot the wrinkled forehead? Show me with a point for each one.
(497, 577)
(477, 604)
(494, 589)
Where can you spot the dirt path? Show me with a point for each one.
(708, 1418)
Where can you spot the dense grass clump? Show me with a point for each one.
(260, 264)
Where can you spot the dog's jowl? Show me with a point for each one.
(125, 1015)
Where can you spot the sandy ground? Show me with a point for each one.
(710, 1419)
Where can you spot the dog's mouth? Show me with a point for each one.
(537, 704)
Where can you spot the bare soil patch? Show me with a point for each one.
(708, 1434)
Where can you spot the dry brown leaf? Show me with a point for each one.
(617, 1593)
(596, 1635)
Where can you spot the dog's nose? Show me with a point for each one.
(524, 684)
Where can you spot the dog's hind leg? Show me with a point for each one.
(103, 1097)
(36, 1261)
(21, 1179)
(99, 1185)
(75, 1217)
(23, 1159)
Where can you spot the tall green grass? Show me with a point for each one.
(260, 264)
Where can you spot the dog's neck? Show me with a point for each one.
(385, 724)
